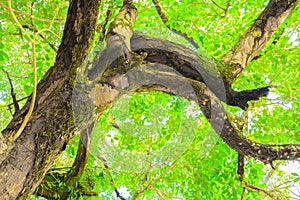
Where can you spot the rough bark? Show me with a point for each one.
(256, 37)
(25, 161)
(154, 64)
(175, 79)
(185, 61)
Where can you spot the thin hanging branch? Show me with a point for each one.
(165, 20)
(82, 156)
(102, 26)
(13, 93)
(34, 68)
(31, 107)
(53, 47)
(255, 38)
(112, 182)
(220, 7)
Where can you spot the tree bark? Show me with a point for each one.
(25, 161)
(174, 69)
(256, 37)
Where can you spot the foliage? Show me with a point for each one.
(206, 169)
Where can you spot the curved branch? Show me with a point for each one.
(260, 190)
(220, 7)
(163, 76)
(257, 36)
(184, 60)
(215, 113)
(81, 157)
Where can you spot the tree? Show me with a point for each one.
(82, 84)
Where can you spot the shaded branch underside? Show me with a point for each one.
(174, 69)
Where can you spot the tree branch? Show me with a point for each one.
(157, 73)
(165, 20)
(257, 36)
(81, 157)
(260, 190)
(220, 7)
(12, 92)
(51, 124)
(112, 182)
(102, 26)
(18, 100)
(122, 26)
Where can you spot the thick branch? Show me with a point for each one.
(184, 60)
(123, 24)
(160, 77)
(257, 36)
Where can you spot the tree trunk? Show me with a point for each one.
(25, 161)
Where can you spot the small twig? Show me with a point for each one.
(55, 14)
(106, 167)
(220, 7)
(27, 15)
(66, 168)
(161, 176)
(12, 92)
(9, 105)
(260, 190)
(158, 193)
(41, 36)
(243, 193)
(277, 38)
(89, 194)
(102, 27)
(142, 183)
(165, 19)
(150, 185)
(119, 195)
(31, 11)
